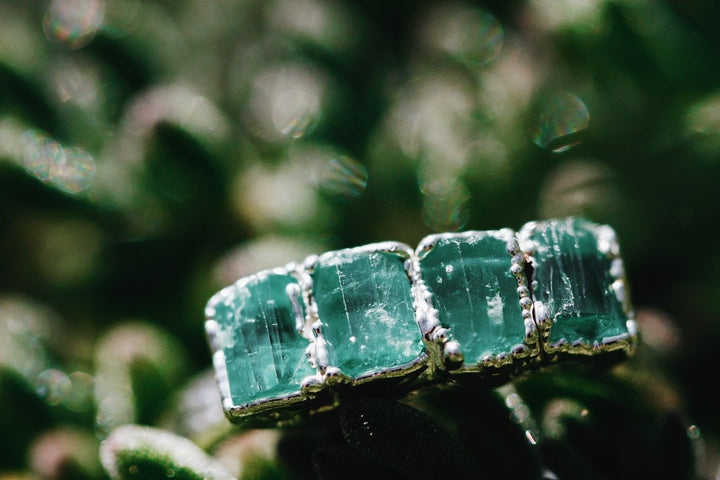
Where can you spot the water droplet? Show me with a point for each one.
(693, 432)
(562, 117)
(53, 385)
(75, 172)
(73, 22)
(343, 177)
(531, 437)
(71, 170)
(40, 154)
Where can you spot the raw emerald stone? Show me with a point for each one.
(575, 283)
(475, 293)
(365, 306)
(264, 354)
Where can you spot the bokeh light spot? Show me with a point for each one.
(282, 196)
(262, 253)
(73, 22)
(558, 412)
(659, 330)
(469, 35)
(27, 329)
(81, 396)
(702, 124)
(286, 102)
(329, 25)
(343, 177)
(580, 187)
(579, 15)
(445, 204)
(562, 116)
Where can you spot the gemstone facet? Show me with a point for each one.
(259, 354)
(476, 294)
(579, 289)
(366, 311)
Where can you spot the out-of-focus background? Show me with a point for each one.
(152, 152)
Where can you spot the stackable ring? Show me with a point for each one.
(477, 307)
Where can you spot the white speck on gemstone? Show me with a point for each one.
(495, 309)
(607, 241)
(449, 269)
(616, 268)
(619, 289)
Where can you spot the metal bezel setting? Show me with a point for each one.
(608, 245)
(276, 407)
(441, 362)
(332, 375)
(521, 353)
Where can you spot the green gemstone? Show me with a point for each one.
(474, 291)
(574, 266)
(366, 311)
(263, 352)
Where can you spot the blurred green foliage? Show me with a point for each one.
(153, 152)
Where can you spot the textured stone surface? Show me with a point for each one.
(575, 283)
(365, 306)
(264, 354)
(474, 292)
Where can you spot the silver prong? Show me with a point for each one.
(312, 384)
(452, 355)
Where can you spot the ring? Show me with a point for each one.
(478, 307)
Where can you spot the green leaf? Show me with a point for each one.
(135, 452)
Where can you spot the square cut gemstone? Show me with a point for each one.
(366, 310)
(579, 282)
(252, 329)
(474, 291)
